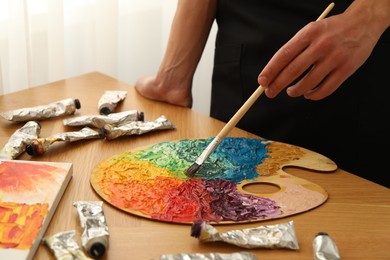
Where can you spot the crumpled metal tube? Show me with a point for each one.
(64, 246)
(20, 139)
(270, 236)
(41, 145)
(211, 256)
(135, 128)
(95, 230)
(101, 120)
(325, 248)
(63, 107)
(109, 100)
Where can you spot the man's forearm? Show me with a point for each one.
(375, 14)
(189, 33)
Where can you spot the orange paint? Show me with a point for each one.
(138, 185)
(20, 230)
(24, 177)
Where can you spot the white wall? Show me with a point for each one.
(42, 41)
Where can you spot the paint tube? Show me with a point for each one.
(95, 230)
(110, 132)
(20, 139)
(64, 246)
(41, 145)
(109, 100)
(271, 236)
(211, 256)
(59, 108)
(325, 248)
(101, 120)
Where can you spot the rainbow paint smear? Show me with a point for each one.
(152, 183)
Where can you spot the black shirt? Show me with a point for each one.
(350, 126)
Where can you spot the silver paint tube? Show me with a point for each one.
(101, 120)
(135, 128)
(271, 236)
(95, 230)
(41, 145)
(20, 139)
(64, 246)
(325, 248)
(63, 107)
(211, 256)
(109, 100)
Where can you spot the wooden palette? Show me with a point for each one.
(150, 182)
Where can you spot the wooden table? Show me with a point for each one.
(356, 215)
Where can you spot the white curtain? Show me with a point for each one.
(42, 41)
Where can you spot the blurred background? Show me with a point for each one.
(42, 41)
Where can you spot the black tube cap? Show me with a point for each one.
(102, 132)
(97, 250)
(30, 149)
(105, 111)
(141, 116)
(196, 229)
(77, 103)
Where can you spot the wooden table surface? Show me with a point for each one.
(356, 214)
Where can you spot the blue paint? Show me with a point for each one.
(235, 159)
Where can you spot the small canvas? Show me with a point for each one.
(29, 195)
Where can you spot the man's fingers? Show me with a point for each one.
(280, 60)
(318, 72)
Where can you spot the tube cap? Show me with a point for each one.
(31, 149)
(141, 116)
(97, 250)
(105, 111)
(77, 103)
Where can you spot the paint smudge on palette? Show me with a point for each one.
(151, 182)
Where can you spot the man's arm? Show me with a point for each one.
(188, 36)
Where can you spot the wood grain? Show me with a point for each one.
(356, 213)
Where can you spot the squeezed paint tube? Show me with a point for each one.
(109, 100)
(20, 139)
(325, 248)
(41, 145)
(211, 256)
(95, 231)
(101, 120)
(135, 128)
(270, 236)
(64, 246)
(63, 107)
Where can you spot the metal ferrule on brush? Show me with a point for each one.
(210, 148)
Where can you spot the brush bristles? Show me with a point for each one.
(190, 172)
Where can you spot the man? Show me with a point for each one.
(333, 70)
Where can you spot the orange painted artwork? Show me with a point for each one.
(20, 224)
(29, 195)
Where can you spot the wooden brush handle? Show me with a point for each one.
(325, 12)
(240, 113)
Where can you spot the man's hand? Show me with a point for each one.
(150, 88)
(330, 50)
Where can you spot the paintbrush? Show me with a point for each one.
(191, 171)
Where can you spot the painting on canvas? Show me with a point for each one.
(29, 195)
